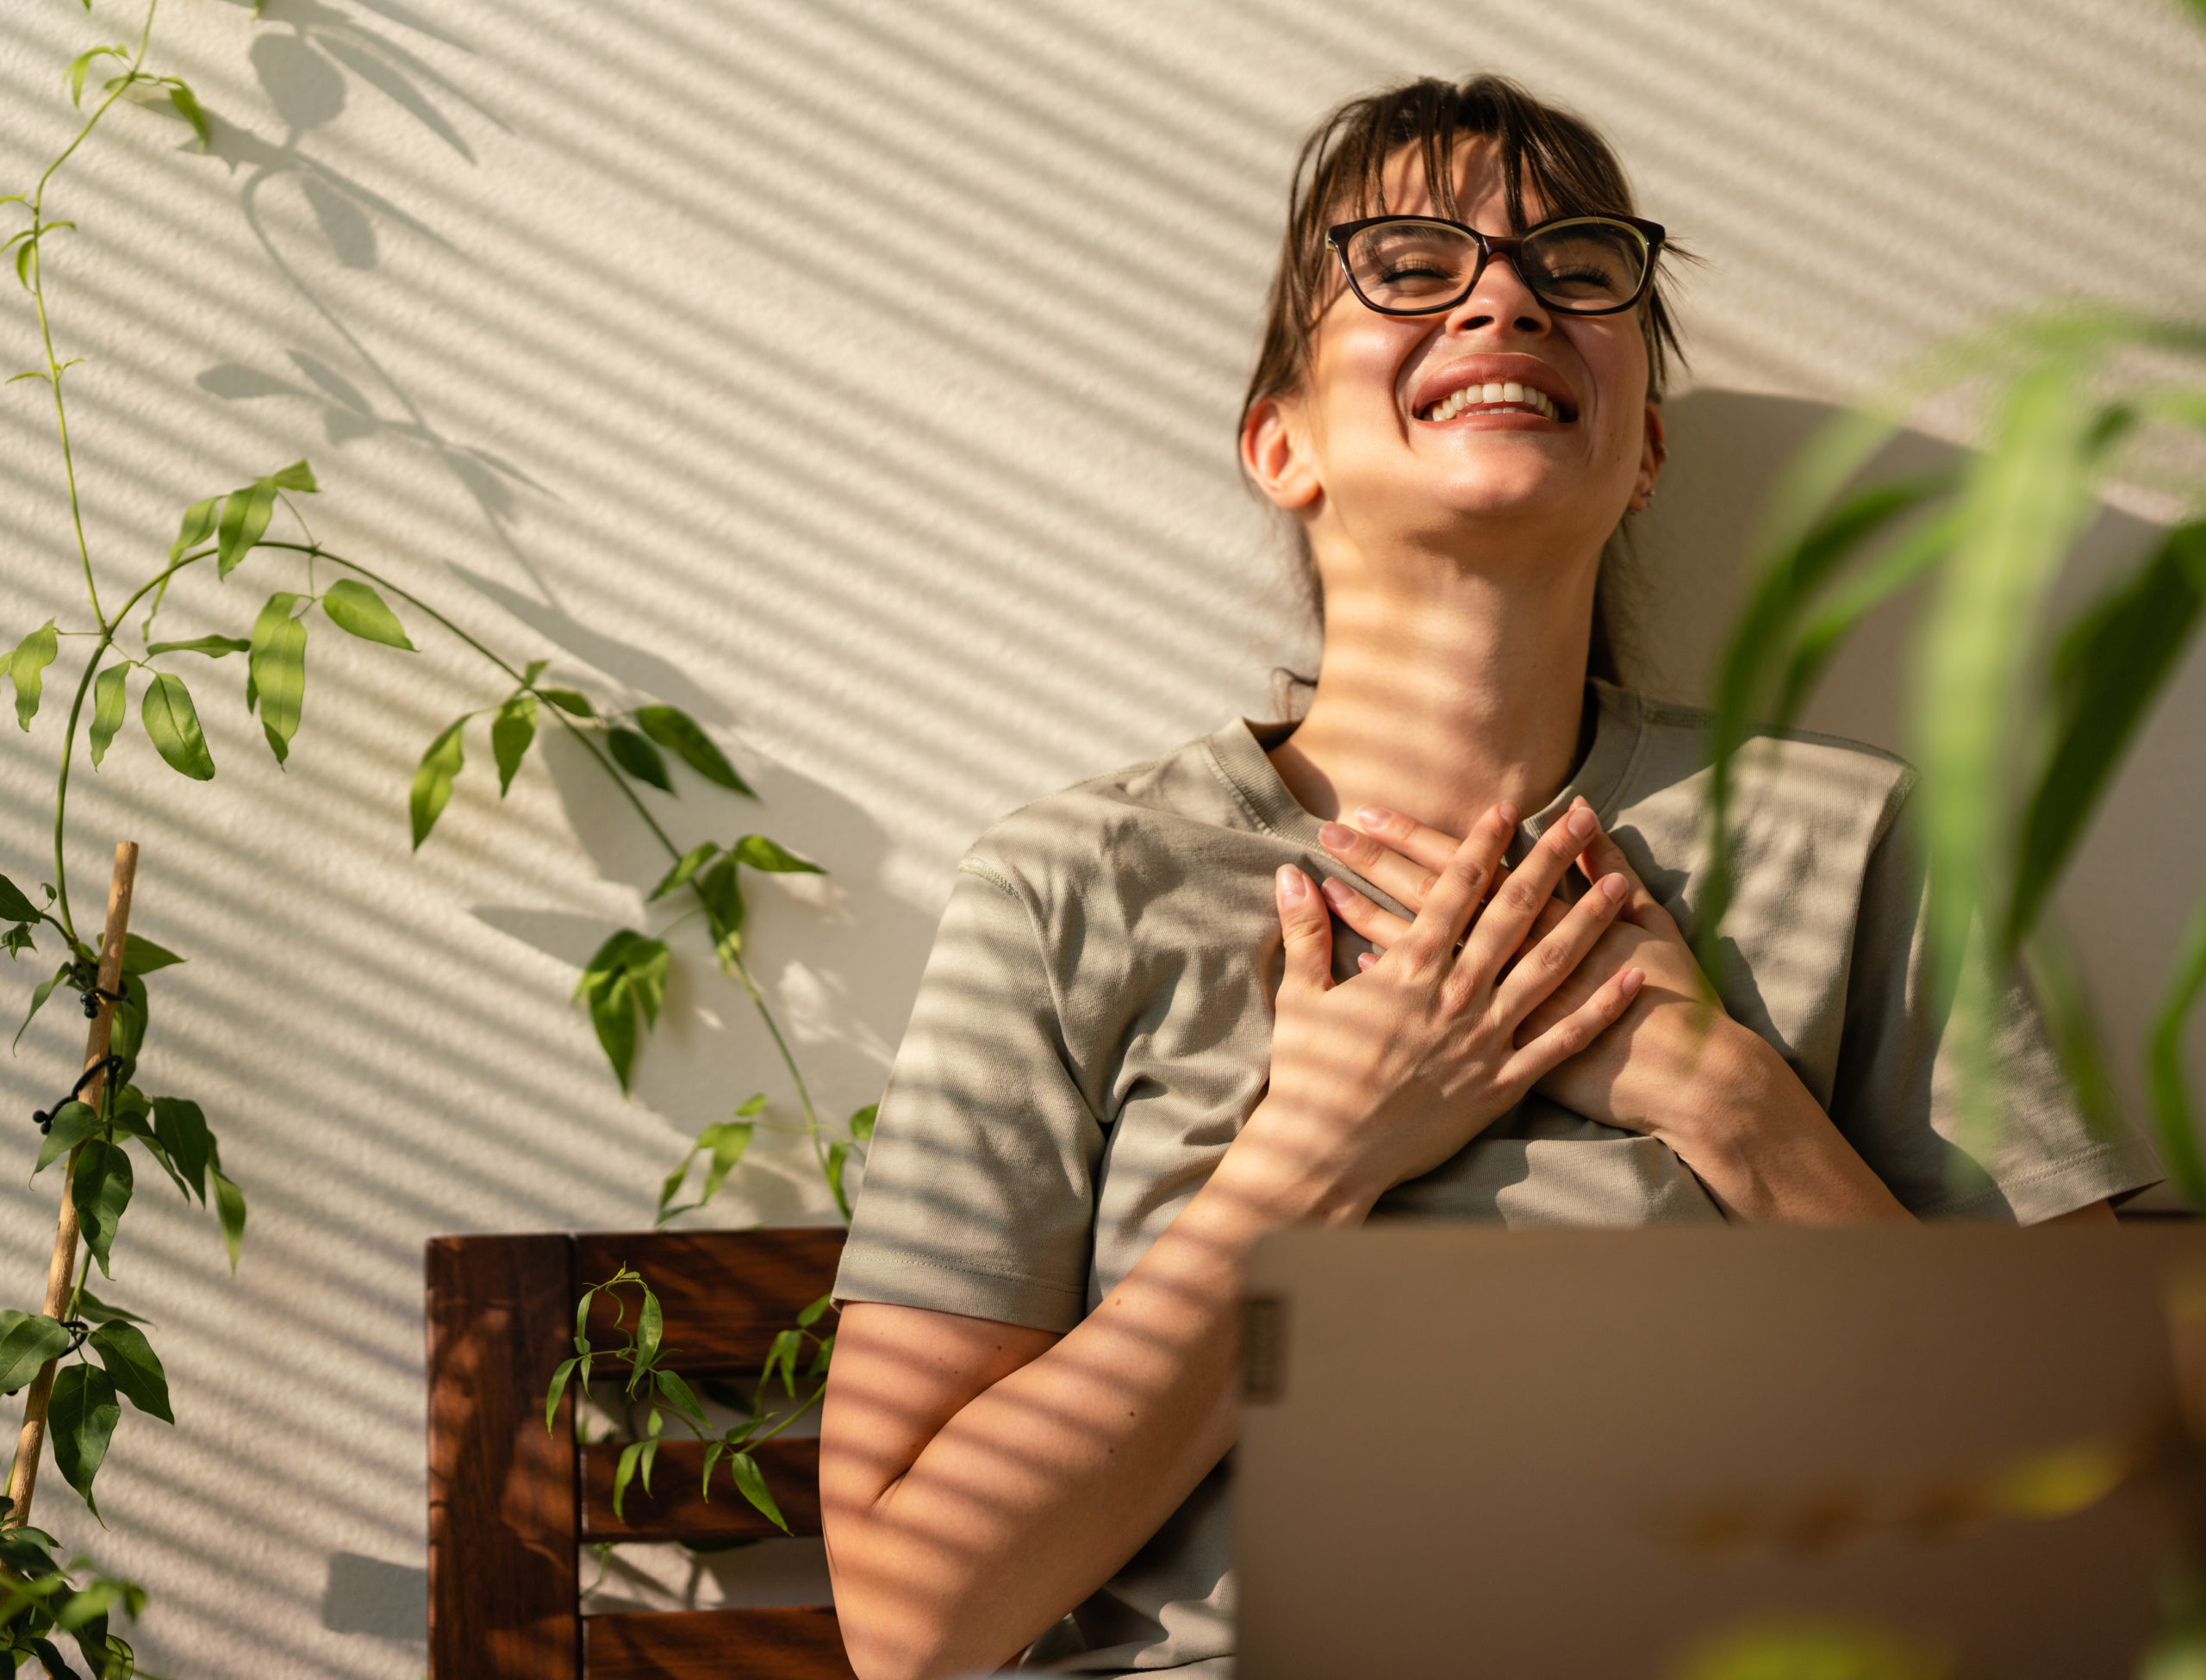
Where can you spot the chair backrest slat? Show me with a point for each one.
(724, 1295)
(715, 1645)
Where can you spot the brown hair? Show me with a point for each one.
(1340, 175)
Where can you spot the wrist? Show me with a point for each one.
(1278, 1172)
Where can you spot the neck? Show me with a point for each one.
(1442, 691)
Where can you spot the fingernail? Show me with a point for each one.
(1631, 982)
(1336, 836)
(1336, 892)
(1292, 888)
(1612, 888)
(1365, 963)
(1373, 815)
(1579, 824)
(1507, 811)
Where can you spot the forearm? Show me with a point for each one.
(1040, 1487)
(1763, 1145)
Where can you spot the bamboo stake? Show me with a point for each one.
(23, 1480)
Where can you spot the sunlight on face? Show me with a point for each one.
(1396, 463)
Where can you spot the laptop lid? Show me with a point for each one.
(1475, 1452)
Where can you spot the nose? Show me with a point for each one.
(1501, 298)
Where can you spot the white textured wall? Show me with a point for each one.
(918, 537)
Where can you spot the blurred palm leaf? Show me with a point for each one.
(1991, 540)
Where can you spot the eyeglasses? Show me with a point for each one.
(1421, 265)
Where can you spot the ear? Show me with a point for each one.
(1652, 453)
(1275, 449)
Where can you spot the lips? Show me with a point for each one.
(1493, 384)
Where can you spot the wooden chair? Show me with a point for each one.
(510, 1503)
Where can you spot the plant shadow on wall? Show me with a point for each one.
(80, 1359)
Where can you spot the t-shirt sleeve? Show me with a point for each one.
(978, 1193)
(1897, 1094)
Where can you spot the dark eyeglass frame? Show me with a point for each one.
(1498, 245)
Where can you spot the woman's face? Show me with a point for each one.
(1373, 448)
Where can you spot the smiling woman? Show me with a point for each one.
(1142, 1042)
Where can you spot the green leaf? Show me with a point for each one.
(679, 734)
(573, 704)
(647, 962)
(296, 477)
(143, 956)
(127, 1036)
(754, 1103)
(690, 862)
(1922, 551)
(198, 525)
(182, 1129)
(73, 1122)
(678, 1396)
(624, 1473)
(627, 972)
(639, 758)
(760, 852)
(39, 997)
(651, 1325)
(132, 1367)
(187, 107)
(726, 1140)
(93, 1311)
(244, 522)
(27, 1341)
(172, 725)
(79, 1422)
(100, 1186)
(353, 607)
(110, 704)
(862, 1121)
(213, 646)
(229, 1208)
(613, 1015)
(558, 1388)
(15, 904)
(83, 62)
(432, 782)
(838, 1154)
(277, 665)
(2112, 664)
(511, 732)
(27, 669)
(811, 1315)
(722, 896)
(751, 1481)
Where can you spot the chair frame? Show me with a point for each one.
(512, 1504)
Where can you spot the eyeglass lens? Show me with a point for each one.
(1585, 265)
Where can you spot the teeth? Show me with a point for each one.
(1494, 395)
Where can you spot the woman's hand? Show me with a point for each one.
(1642, 1075)
(1381, 1077)
(1673, 1065)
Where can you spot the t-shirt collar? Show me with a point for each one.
(1241, 748)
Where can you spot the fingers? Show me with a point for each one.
(1457, 888)
(1579, 1029)
(1393, 854)
(1548, 963)
(1603, 857)
(1516, 902)
(1307, 931)
(1382, 928)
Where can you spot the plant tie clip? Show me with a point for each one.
(86, 977)
(106, 1065)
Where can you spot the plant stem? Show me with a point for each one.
(53, 368)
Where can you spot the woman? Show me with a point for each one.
(1141, 1042)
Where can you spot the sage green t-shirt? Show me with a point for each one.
(1094, 1024)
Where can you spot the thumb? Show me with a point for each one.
(1603, 857)
(1307, 928)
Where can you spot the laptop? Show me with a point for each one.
(1700, 1455)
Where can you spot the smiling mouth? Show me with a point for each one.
(1504, 398)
